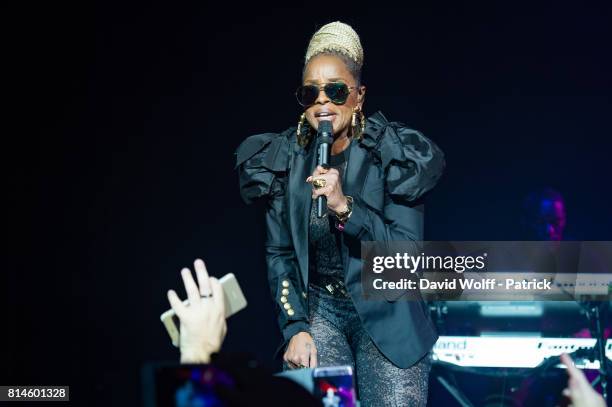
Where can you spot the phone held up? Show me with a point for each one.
(335, 386)
(234, 302)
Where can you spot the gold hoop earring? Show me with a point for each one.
(362, 120)
(300, 124)
(303, 131)
(358, 129)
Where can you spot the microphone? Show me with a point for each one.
(325, 137)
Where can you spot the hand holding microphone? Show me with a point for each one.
(330, 188)
(326, 186)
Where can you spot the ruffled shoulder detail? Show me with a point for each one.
(260, 160)
(412, 163)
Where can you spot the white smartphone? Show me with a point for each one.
(234, 302)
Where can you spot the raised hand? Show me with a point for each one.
(579, 390)
(203, 326)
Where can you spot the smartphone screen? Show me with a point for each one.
(335, 386)
(190, 385)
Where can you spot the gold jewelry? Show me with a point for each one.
(304, 131)
(319, 183)
(300, 124)
(343, 216)
(358, 128)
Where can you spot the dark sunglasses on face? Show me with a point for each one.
(337, 92)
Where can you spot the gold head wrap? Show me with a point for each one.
(338, 37)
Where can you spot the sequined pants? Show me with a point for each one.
(341, 340)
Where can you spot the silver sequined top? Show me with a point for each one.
(324, 239)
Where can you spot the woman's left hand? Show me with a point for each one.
(336, 201)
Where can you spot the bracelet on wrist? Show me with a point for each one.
(343, 216)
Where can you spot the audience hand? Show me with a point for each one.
(579, 390)
(203, 326)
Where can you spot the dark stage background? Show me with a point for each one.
(121, 170)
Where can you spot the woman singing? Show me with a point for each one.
(378, 170)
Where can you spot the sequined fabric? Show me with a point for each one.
(341, 340)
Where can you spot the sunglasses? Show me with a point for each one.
(337, 92)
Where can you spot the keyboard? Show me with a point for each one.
(510, 351)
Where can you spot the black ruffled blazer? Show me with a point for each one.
(389, 169)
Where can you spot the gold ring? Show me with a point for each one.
(319, 183)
